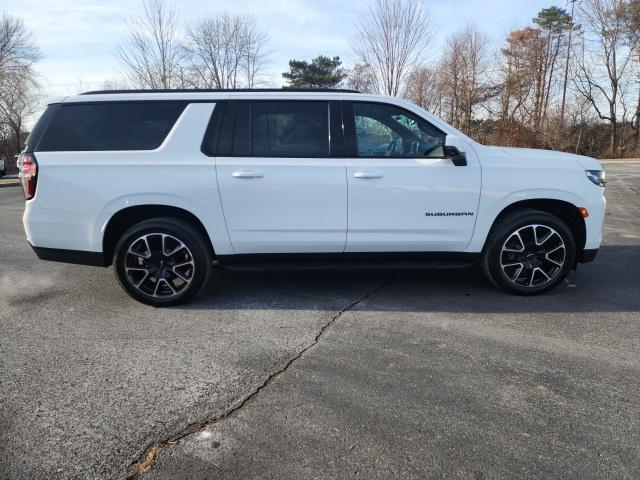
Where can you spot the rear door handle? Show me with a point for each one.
(368, 175)
(247, 174)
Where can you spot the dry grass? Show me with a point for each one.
(7, 182)
(147, 464)
(619, 160)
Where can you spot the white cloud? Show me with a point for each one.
(78, 37)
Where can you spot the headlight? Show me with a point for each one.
(597, 176)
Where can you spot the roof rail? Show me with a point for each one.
(216, 90)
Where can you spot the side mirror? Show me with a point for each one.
(458, 158)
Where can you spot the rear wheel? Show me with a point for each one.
(529, 252)
(162, 262)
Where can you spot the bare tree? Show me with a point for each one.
(225, 51)
(633, 24)
(553, 23)
(465, 67)
(17, 102)
(391, 39)
(566, 62)
(255, 53)
(531, 80)
(18, 82)
(603, 62)
(114, 84)
(521, 78)
(17, 49)
(424, 87)
(150, 54)
(362, 78)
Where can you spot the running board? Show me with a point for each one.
(358, 261)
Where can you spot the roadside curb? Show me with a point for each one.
(12, 183)
(631, 161)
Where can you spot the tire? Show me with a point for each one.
(528, 252)
(162, 261)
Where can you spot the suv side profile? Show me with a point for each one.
(165, 184)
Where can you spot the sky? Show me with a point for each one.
(78, 37)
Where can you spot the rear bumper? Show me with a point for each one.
(78, 257)
(588, 255)
(61, 229)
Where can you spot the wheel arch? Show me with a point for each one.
(124, 219)
(565, 211)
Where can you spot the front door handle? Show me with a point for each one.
(368, 175)
(247, 174)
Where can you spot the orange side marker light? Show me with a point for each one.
(584, 212)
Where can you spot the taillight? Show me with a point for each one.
(28, 174)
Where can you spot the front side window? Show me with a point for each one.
(387, 131)
(110, 126)
(289, 129)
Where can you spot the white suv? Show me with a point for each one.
(165, 184)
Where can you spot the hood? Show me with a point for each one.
(587, 163)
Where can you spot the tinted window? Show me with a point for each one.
(211, 143)
(290, 129)
(388, 131)
(110, 126)
(241, 138)
(36, 134)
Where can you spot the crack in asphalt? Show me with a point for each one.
(150, 456)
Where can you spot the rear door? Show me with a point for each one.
(281, 176)
(404, 195)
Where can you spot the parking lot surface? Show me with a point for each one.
(323, 375)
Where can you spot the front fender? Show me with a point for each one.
(492, 204)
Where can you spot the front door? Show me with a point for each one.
(283, 186)
(404, 195)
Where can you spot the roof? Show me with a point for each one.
(222, 90)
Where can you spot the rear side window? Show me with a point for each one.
(110, 126)
(39, 128)
(287, 129)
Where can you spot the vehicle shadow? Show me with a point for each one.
(609, 284)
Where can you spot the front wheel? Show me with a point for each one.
(162, 261)
(529, 252)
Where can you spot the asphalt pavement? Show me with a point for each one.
(323, 375)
